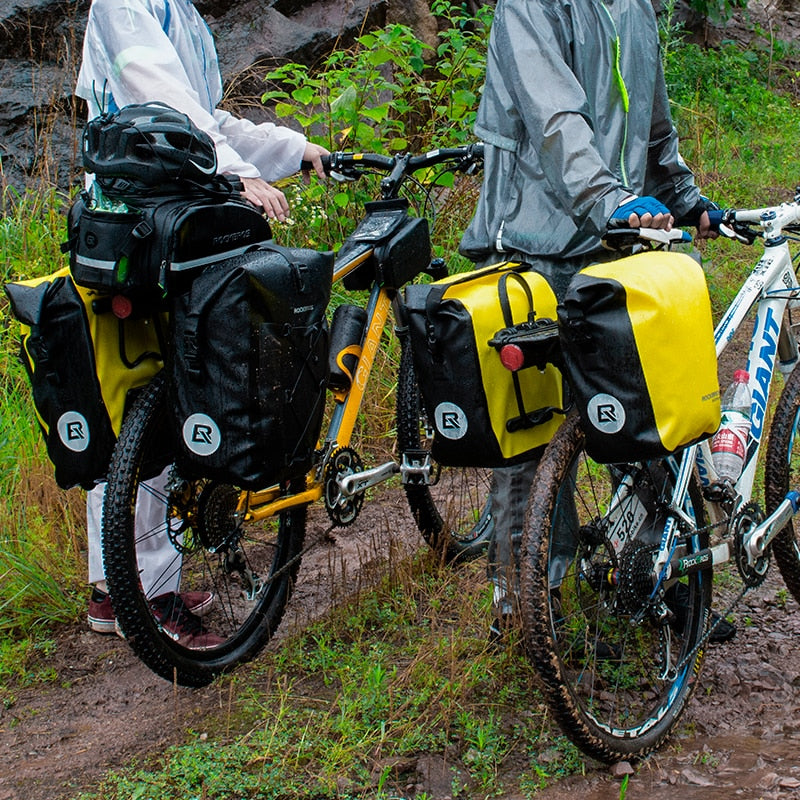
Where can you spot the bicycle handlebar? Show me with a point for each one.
(349, 166)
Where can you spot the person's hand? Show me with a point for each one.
(262, 195)
(705, 230)
(642, 212)
(313, 155)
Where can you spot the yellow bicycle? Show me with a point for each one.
(244, 547)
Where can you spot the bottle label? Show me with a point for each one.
(729, 440)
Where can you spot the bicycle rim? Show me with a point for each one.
(616, 683)
(781, 474)
(205, 547)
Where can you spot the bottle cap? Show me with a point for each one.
(741, 376)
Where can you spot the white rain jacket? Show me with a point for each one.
(562, 153)
(138, 51)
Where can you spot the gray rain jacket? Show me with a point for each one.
(562, 153)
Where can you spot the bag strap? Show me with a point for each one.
(438, 290)
(526, 419)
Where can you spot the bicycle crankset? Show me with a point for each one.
(342, 508)
(747, 518)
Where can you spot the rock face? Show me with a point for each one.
(42, 40)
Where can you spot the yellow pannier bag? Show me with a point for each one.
(83, 364)
(638, 345)
(482, 414)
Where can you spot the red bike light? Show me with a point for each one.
(512, 357)
(121, 306)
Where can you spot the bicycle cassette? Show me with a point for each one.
(342, 509)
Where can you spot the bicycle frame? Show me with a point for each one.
(268, 502)
(771, 287)
(259, 505)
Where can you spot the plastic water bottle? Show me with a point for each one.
(729, 445)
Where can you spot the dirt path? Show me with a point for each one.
(106, 707)
(739, 738)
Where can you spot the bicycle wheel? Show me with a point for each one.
(451, 511)
(615, 676)
(212, 550)
(782, 473)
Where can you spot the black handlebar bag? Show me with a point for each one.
(482, 414)
(84, 368)
(250, 366)
(637, 339)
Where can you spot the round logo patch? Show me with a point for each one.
(450, 421)
(606, 413)
(201, 434)
(73, 430)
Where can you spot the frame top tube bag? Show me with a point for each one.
(638, 344)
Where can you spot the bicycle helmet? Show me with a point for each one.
(147, 145)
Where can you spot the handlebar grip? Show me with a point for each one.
(307, 166)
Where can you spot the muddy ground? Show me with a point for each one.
(739, 738)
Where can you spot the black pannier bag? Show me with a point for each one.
(84, 368)
(482, 414)
(144, 251)
(251, 366)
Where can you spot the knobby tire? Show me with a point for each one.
(781, 474)
(601, 674)
(451, 513)
(214, 550)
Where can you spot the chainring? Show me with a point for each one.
(748, 517)
(341, 509)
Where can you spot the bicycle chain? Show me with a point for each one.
(690, 656)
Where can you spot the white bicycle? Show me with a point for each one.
(619, 643)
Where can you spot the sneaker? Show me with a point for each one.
(676, 599)
(101, 615)
(103, 620)
(179, 623)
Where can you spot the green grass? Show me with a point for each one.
(346, 707)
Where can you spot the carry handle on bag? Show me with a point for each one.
(526, 419)
(483, 415)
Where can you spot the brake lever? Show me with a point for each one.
(739, 233)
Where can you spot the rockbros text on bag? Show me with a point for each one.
(158, 243)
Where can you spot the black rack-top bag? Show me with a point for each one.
(251, 366)
(84, 365)
(152, 247)
(482, 414)
(637, 338)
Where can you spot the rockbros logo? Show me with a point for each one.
(73, 430)
(201, 434)
(450, 421)
(606, 413)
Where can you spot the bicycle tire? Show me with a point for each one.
(616, 689)
(782, 473)
(451, 513)
(213, 549)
